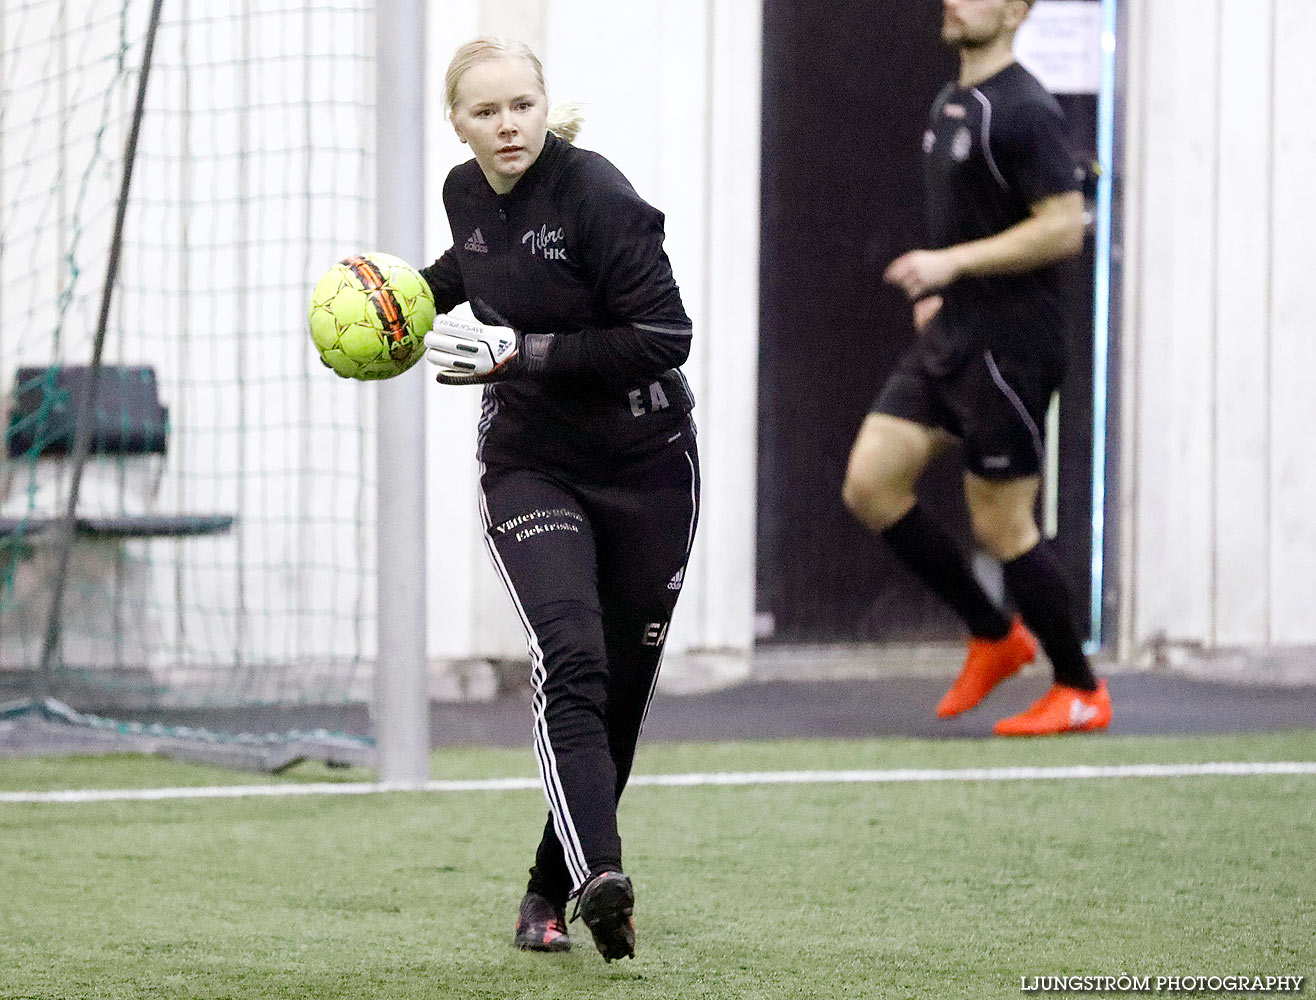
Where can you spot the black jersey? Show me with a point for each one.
(990, 152)
(572, 250)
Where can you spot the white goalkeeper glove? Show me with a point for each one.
(472, 353)
(475, 353)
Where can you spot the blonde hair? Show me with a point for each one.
(564, 120)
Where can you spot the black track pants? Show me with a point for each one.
(594, 570)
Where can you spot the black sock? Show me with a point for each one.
(1033, 580)
(926, 548)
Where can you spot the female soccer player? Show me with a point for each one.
(589, 474)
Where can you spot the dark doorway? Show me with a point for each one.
(846, 91)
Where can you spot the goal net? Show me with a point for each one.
(236, 567)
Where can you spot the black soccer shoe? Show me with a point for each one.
(606, 903)
(541, 925)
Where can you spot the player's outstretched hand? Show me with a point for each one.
(921, 272)
(472, 353)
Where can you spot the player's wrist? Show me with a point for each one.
(957, 262)
(533, 350)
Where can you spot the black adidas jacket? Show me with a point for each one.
(572, 250)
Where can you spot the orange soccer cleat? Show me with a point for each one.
(989, 662)
(1061, 710)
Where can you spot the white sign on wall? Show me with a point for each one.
(1060, 43)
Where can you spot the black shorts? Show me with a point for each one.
(995, 405)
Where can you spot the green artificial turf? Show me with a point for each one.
(947, 889)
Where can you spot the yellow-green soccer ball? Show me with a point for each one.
(369, 315)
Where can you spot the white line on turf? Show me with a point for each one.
(1227, 769)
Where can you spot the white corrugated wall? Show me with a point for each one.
(1219, 536)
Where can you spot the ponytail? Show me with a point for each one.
(565, 120)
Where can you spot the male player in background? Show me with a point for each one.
(1004, 208)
